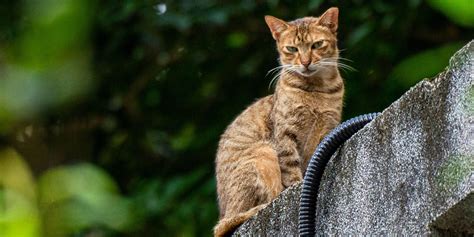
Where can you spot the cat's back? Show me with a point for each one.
(251, 126)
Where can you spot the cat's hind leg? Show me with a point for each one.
(227, 225)
(254, 182)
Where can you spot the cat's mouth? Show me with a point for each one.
(306, 72)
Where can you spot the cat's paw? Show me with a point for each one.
(291, 179)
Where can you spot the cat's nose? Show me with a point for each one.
(305, 63)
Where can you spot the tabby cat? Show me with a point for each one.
(268, 146)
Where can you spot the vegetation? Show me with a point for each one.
(110, 111)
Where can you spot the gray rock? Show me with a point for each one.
(279, 218)
(410, 171)
(458, 219)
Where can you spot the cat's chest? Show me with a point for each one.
(300, 110)
(298, 115)
(305, 116)
(303, 109)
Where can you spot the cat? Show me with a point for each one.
(268, 146)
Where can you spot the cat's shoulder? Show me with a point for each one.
(259, 106)
(266, 101)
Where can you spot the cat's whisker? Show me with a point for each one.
(275, 79)
(278, 74)
(340, 65)
(337, 59)
(328, 64)
(333, 61)
(345, 66)
(344, 59)
(292, 69)
(282, 66)
(275, 68)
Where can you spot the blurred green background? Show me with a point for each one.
(110, 111)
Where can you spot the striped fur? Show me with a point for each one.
(268, 146)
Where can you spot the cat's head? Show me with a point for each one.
(307, 45)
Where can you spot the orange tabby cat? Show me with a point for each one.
(267, 147)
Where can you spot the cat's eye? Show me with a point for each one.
(317, 44)
(291, 49)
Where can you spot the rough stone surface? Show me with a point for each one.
(409, 172)
(279, 218)
(458, 219)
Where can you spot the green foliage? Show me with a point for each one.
(48, 61)
(427, 63)
(16, 175)
(70, 199)
(117, 107)
(181, 204)
(460, 11)
(82, 196)
(19, 215)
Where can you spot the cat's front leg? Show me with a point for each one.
(288, 157)
(321, 127)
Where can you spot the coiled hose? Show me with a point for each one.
(314, 172)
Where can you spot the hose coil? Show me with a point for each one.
(314, 172)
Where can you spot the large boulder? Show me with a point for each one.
(410, 171)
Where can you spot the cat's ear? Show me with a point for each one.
(276, 26)
(329, 19)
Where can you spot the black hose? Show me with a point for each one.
(314, 172)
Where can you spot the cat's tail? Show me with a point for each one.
(226, 226)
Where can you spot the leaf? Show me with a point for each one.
(81, 196)
(360, 33)
(49, 62)
(16, 175)
(236, 39)
(184, 138)
(314, 4)
(459, 11)
(423, 65)
(76, 215)
(19, 215)
(66, 182)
